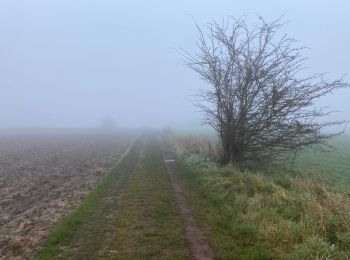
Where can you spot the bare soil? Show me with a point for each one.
(43, 177)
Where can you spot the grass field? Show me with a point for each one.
(333, 166)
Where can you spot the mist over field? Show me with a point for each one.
(104, 153)
(70, 64)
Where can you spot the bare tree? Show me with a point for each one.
(257, 100)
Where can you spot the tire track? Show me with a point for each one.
(198, 247)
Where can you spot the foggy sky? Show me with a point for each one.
(67, 63)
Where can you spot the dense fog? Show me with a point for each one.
(90, 63)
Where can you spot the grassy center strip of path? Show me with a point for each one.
(132, 214)
(149, 223)
(82, 234)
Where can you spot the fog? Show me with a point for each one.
(67, 63)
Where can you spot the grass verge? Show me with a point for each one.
(250, 215)
(81, 233)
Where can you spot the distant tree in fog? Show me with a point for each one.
(257, 101)
(108, 123)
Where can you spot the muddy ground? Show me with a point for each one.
(43, 177)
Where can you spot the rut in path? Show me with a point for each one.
(197, 245)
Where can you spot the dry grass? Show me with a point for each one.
(255, 216)
(195, 144)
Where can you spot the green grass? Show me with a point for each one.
(132, 214)
(250, 215)
(81, 233)
(332, 166)
(149, 225)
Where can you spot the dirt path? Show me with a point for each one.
(197, 245)
(139, 212)
(132, 215)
